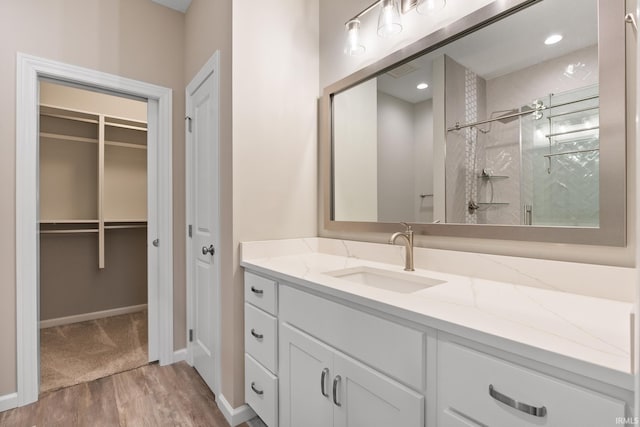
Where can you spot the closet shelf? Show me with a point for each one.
(114, 173)
(68, 114)
(70, 231)
(69, 138)
(68, 221)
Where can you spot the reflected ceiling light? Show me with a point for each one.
(427, 7)
(353, 47)
(389, 18)
(422, 86)
(553, 39)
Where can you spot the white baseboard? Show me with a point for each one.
(234, 416)
(91, 316)
(8, 401)
(179, 355)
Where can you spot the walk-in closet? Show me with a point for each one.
(92, 218)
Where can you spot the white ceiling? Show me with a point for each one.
(511, 44)
(179, 5)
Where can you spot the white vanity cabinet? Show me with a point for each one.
(261, 346)
(322, 387)
(475, 389)
(315, 360)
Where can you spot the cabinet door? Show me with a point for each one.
(365, 397)
(305, 369)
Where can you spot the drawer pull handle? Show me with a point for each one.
(256, 335)
(255, 390)
(522, 407)
(257, 291)
(323, 381)
(336, 380)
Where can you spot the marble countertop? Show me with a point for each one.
(586, 335)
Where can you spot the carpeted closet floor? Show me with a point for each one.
(81, 352)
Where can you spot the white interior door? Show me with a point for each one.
(202, 137)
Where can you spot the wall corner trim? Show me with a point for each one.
(234, 416)
(180, 355)
(8, 401)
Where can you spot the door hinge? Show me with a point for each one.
(188, 119)
(190, 335)
(190, 230)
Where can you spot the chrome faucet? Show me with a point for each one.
(407, 235)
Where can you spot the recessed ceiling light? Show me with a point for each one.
(422, 86)
(553, 39)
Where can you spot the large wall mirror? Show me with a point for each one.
(508, 124)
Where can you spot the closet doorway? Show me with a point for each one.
(78, 213)
(93, 221)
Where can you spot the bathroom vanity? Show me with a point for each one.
(337, 338)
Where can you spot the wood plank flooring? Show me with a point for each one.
(151, 395)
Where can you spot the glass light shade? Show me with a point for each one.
(389, 19)
(353, 46)
(427, 7)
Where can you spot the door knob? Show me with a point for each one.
(208, 250)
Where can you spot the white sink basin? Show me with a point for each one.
(405, 283)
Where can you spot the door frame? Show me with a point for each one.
(159, 195)
(211, 68)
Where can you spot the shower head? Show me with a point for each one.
(509, 116)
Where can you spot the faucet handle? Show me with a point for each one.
(406, 225)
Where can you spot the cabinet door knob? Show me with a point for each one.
(256, 335)
(522, 407)
(255, 390)
(336, 381)
(257, 291)
(323, 381)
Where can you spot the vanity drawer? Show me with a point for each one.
(389, 347)
(261, 391)
(261, 292)
(467, 379)
(260, 336)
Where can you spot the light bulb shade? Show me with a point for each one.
(389, 19)
(353, 46)
(427, 7)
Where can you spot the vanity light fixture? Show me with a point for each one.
(389, 20)
(553, 39)
(353, 47)
(422, 86)
(428, 7)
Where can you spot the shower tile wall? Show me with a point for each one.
(465, 94)
(515, 90)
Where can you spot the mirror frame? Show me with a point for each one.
(612, 89)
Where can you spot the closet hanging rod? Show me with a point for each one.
(539, 107)
(570, 152)
(75, 231)
(569, 132)
(118, 227)
(123, 126)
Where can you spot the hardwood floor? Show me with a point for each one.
(151, 395)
